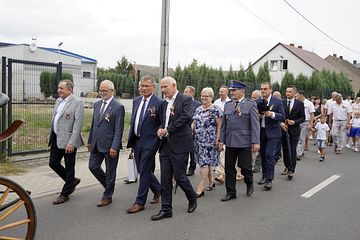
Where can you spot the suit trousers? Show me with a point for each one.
(304, 132)
(144, 161)
(267, 153)
(192, 165)
(107, 179)
(173, 164)
(290, 156)
(239, 155)
(67, 173)
(339, 133)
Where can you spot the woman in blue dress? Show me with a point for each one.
(206, 127)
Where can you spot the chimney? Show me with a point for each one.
(300, 47)
(341, 57)
(291, 44)
(354, 62)
(334, 55)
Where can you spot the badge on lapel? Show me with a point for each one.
(172, 111)
(107, 117)
(152, 111)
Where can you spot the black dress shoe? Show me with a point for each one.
(228, 197)
(190, 173)
(127, 181)
(268, 185)
(262, 181)
(250, 190)
(192, 206)
(290, 175)
(161, 215)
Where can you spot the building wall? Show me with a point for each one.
(278, 54)
(26, 78)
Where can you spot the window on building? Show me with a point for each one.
(273, 65)
(284, 64)
(86, 74)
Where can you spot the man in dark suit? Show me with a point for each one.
(65, 137)
(190, 91)
(240, 132)
(176, 143)
(271, 112)
(294, 115)
(105, 139)
(145, 121)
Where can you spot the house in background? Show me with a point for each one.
(296, 60)
(26, 78)
(147, 70)
(348, 69)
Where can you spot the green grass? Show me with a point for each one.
(35, 133)
(7, 168)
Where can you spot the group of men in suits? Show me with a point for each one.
(165, 126)
(104, 141)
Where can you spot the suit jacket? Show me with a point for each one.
(272, 125)
(296, 113)
(69, 124)
(195, 105)
(106, 132)
(240, 130)
(148, 133)
(179, 127)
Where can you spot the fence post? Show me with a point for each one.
(3, 110)
(10, 103)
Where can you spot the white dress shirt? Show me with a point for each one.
(168, 108)
(59, 110)
(139, 111)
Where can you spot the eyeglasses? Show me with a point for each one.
(204, 96)
(104, 91)
(264, 88)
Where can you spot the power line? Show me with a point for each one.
(261, 19)
(327, 35)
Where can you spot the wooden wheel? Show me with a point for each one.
(17, 212)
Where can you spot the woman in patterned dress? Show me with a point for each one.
(206, 127)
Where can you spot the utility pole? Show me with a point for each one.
(164, 41)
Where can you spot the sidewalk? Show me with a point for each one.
(43, 181)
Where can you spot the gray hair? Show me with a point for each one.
(208, 90)
(148, 78)
(68, 83)
(108, 83)
(191, 88)
(257, 93)
(170, 80)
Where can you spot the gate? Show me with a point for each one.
(21, 82)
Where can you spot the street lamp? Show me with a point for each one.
(59, 45)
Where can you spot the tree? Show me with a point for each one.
(275, 86)
(301, 82)
(263, 74)
(122, 66)
(48, 83)
(287, 80)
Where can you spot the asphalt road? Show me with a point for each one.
(332, 213)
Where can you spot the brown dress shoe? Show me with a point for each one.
(135, 208)
(104, 202)
(60, 199)
(156, 198)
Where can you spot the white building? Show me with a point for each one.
(26, 78)
(283, 57)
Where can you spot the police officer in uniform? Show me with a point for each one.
(240, 133)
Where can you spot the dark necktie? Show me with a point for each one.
(288, 105)
(236, 104)
(102, 110)
(141, 117)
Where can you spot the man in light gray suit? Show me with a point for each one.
(240, 132)
(65, 137)
(105, 139)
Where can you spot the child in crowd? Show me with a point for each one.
(355, 130)
(322, 130)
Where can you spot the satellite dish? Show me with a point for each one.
(32, 47)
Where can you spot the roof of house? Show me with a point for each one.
(344, 63)
(310, 58)
(150, 70)
(55, 50)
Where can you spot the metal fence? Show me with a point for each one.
(21, 81)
